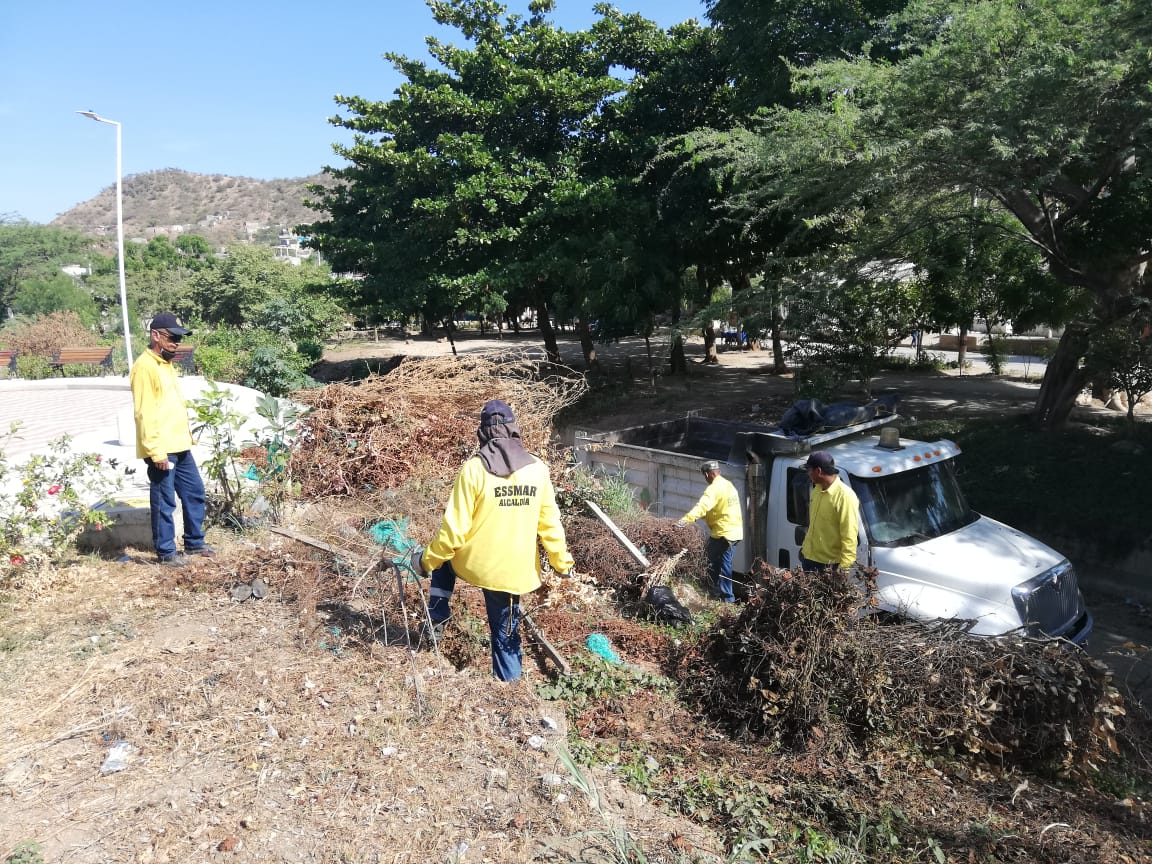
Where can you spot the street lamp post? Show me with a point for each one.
(92, 115)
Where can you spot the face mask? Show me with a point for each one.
(167, 354)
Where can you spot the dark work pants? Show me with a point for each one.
(503, 611)
(182, 479)
(719, 552)
(811, 566)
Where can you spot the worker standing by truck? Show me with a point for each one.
(719, 506)
(833, 518)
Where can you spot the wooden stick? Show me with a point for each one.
(624, 541)
(312, 541)
(544, 644)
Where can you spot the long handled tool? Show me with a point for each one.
(547, 647)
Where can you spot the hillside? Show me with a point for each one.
(221, 208)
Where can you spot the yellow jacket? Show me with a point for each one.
(833, 525)
(720, 507)
(490, 527)
(161, 412)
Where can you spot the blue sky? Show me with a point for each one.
(215, 87)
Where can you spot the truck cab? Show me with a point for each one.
(934, 556)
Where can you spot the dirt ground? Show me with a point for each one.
(286, 731)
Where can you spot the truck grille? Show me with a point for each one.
(1051, 602)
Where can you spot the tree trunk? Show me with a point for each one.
(651, 368)
(710, 355)
(962, 349)
(544, 322)
(779, 365)
(587, 345)
(678, 364)
(1063, 379)
(448, 332)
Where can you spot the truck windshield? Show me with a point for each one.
(912, 506)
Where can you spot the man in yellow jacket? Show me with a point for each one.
(833, 518)
(164, 442)
(501, 502)
(720, 508)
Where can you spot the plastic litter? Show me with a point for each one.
(393, 534)
(598, 644)
(119, 756)
(665, 606)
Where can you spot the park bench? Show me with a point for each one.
(8, 359)
(101, 357)
(184, 358)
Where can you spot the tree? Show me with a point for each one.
(1123, 352)
(765, 41)
(452, 186)
(1043, 106)
(58, 293)
(240, 287)
(29, 251)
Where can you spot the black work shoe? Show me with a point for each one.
(202, 551)
(430, 637)
(176, 560)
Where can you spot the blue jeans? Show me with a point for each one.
(181, 479)
(503, 620)
(719, 552)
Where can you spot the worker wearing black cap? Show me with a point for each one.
(164, 442)
(501, 502)
(833, 518)
(719, 506)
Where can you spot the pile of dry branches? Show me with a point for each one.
(420, 420)
(799, 664)
(600, 554)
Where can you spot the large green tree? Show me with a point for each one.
(459, 184)
(1042, 106)
(30, 251)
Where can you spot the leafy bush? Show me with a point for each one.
(312, 349)
(822, 381)
(32, 367)
(43, 505)
(276, 369)
(220, 363)
(47, 335)
(261, 359)
(994, 351)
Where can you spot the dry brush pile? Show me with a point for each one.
(420, 419)
(798, 664)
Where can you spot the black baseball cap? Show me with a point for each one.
(168, 321)
(495, 413)
(823, 460)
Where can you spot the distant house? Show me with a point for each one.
(76, 271)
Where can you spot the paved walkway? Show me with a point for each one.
(96, 414)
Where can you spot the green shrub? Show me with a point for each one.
(220, 363)
(313, 349)
(32, 367)
(822, 382)
(275, 369)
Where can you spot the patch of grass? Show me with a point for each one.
(26, 852)
(596, 680)
(1074, 483)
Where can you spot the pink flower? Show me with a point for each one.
(52, 490)
(99, 459)
(17, 560)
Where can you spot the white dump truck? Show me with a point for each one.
(935, 556)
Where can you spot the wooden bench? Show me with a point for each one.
(8, 358)
(101, 357)
(184, 358)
